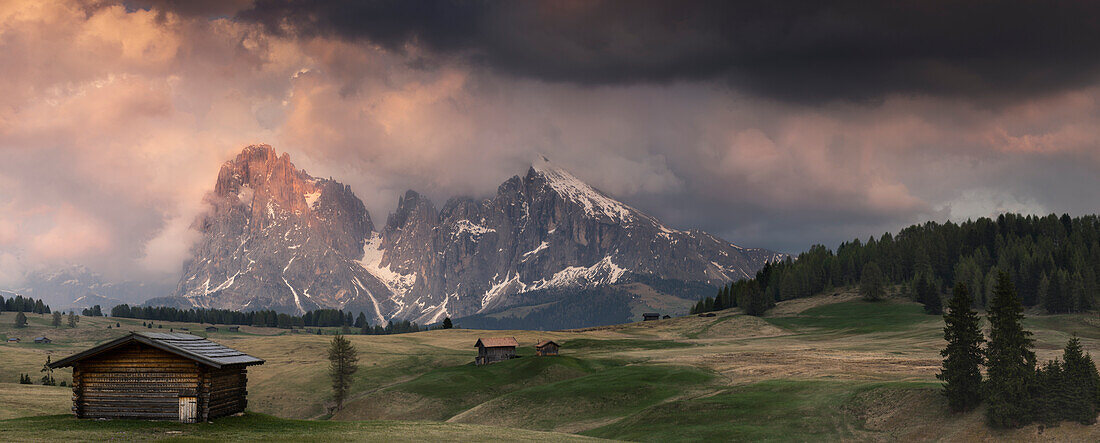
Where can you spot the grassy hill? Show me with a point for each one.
(828, 367)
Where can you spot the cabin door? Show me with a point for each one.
(189, 409)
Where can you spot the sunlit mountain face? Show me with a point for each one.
(282, 240)
(675, 130)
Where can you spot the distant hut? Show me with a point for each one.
(211, 329)
(13, 340)
(494, 349)
(42, 340)
(234, 329)
(159, 376)
(546, 347)
(649, 316)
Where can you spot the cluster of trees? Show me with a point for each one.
(23, 304)
(1053, 261)
(94, 311)
(1016, 389)
(320, 317)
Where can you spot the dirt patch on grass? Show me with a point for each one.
(392, 405)
(738, 326)
(751, 366)
(789, 308)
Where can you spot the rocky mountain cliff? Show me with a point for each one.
(277, 238)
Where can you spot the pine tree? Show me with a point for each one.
(961, 373)
(1050, 396)
(1010, 360)
(1081, 384)
(447, 323)
(73, 319)
(20, 320)
(872, 285)
(343, 362)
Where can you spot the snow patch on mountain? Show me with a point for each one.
(569, 187)
(399, 284)
(603, 272)
(311, 198)
(475, 230)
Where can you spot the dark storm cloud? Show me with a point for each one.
(792, 50)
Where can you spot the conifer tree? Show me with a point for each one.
(343, 362)
(447, 323)
(872, 285)
(20, 320)
(961, 373)
(56, 319)
(1081, 384)
(1010, 360)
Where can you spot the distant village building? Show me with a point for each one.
(494, 349)
(546, 347)
(234, 329)
(648, 316)
(42, 340)
(13, 340)
(159, 376)
(211, 329)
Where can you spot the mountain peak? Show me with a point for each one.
(568, 186)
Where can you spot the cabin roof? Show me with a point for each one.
(184, 345)
(546, 342)
(496, 342)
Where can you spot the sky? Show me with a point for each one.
(777, 125)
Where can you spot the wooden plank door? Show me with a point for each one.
(189, 409)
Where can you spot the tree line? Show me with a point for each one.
(1017, 390)
(1053, 260)
(268, 318)
(20, 303)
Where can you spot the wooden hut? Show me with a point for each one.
(159, 376)
(494, 349)
(13, 340)
(546, 347)
(649, 316)
(211, 329)
(43, 339)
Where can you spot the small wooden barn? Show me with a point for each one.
(649, 316)
(159, 376)
(211, 329)
(13, 340)
(43, 339)
(494, 349)
(546, 347)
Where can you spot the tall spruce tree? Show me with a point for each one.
(343, 361)
(1010, 360)
(961, 373)
(20, 320)
(1082, 389)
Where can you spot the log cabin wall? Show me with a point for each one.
(134, 381)
(227, 391)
